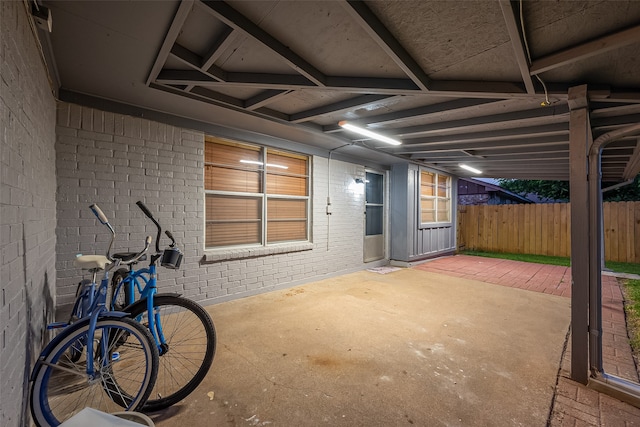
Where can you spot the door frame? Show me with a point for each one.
(383, 239)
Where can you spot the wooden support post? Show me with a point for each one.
(596, 257)
(579, 132)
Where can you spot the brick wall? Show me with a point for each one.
(115, 160)
(27, 208)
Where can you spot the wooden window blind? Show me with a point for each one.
(435, 197)
(254, 195)
(228, 167)
(286, 220)
(233, 220)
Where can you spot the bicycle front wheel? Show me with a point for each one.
(187, 351)
(125, 363)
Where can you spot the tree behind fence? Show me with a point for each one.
(544, 229)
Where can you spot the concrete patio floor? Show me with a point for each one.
(574, 404)
(415, 346)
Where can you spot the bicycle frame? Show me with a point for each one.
(148, 275)
(87, 301)
(92, 301)
(133, 281)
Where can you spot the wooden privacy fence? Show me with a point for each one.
(544, 229)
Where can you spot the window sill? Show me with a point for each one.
(218, 255)
(435, 225)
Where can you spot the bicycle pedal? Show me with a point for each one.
(57, 325)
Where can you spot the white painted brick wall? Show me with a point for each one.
(27, 209)
(115, 160)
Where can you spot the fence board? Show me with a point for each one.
(538, 229)
(486, 230)
(611, 222)
(545, 229)
(566, 208)
(512, 238)
(606, 208)
(623, 230)
(556, 230)
(527, 230)
(636, 243)
(520, 209)
(630, 219)
(503, 229)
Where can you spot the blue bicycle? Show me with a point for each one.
(182, 329)
(100, 359)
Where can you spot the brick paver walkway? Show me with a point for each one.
(574, 404)
(549, 279)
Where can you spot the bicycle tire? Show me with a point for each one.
(57, 393)
(186, 326)
(120, 302)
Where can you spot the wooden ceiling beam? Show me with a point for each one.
(585, 50)
(515, 34)
(234, 19)
(370, 23)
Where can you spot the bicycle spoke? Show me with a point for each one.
(113, 390)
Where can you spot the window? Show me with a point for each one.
(374, 204)
(435, 197)
(255, 196)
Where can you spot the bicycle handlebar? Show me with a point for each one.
(98, 212)
(169, 235)
(147, 243)
(146, 211)
(103, 219)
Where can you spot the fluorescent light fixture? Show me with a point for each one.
(367, 132)
(255, 162)
(469, 168)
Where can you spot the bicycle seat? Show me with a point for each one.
(126, 256)
(89, 262)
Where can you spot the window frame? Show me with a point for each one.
(263, 196)
(436, 198)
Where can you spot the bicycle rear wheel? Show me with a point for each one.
(125, 362)
(119, 289)
(187, 355)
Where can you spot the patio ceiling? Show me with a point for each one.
(477, 82)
